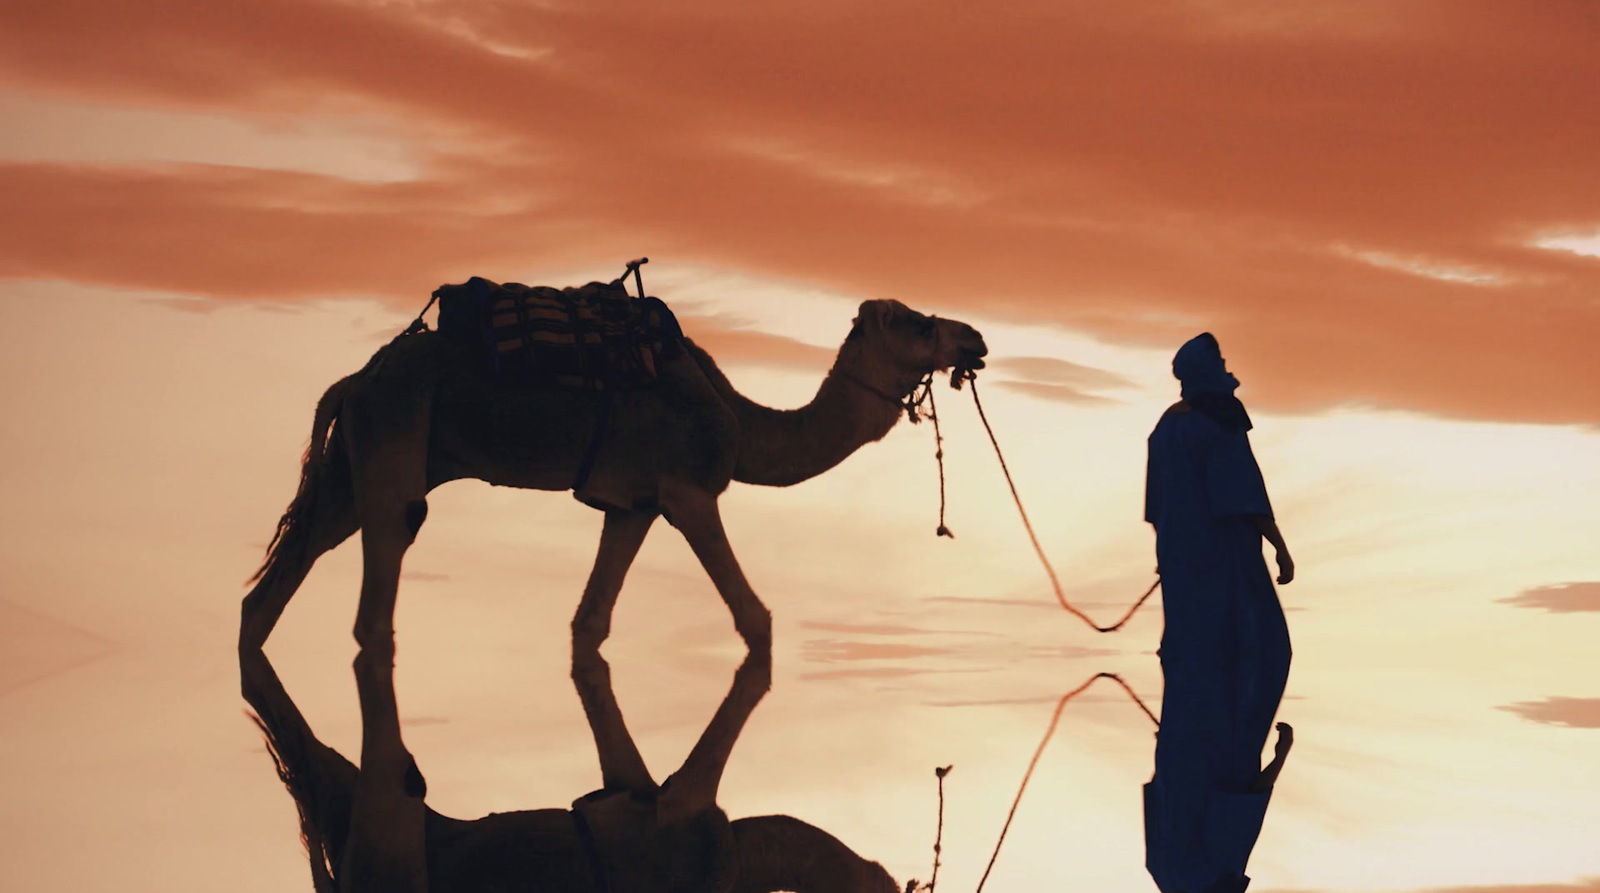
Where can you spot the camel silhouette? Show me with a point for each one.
(424, 411)
(369, 829)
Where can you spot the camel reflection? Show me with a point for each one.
(368, 829)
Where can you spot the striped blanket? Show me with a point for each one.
(595, 336)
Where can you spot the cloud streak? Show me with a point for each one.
(1574, 713)
(1560, 598)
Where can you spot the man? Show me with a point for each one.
(1225, 650)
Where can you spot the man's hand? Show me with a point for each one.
(1285, 740)
(1280, 751)
(1269, 531)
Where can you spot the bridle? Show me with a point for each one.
(920, 392)
(903, 401)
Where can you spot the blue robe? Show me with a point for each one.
(1224, 655)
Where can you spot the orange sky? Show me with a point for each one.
(1352, 194)
(1388, 212)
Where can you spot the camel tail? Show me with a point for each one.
(295, 771)
(290, 539)
(321, 781)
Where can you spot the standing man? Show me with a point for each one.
(1225, 649)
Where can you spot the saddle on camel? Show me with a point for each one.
(596, 336)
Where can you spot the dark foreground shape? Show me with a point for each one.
(369, 830)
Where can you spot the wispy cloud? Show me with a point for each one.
(1560, 598)
(1574, 713)
(833, 650)
(887, 629)
(755, 348)
(425, 576)
(1058, 393)
(1051, 370)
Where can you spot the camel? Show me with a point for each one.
(424, 411)
(368, 830)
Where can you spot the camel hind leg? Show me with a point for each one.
(386, 850)
(620, 539)
(387, 440)
(320, 517)
(391, 506)
(333, 521)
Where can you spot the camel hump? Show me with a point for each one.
(594, 336)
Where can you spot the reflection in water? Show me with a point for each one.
(368, 828)
(1033, 763)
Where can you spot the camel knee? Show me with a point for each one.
(375, 658)
(590, 628)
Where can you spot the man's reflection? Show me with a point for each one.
(369, 830)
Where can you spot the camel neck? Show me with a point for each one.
(782, 447)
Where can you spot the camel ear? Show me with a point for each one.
(864, 314)
(879, 313)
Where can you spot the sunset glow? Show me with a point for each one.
(1388, 213)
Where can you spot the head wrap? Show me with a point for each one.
(1207, 384)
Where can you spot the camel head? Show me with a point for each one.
(913, 344)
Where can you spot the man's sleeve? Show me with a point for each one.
(1233, 479)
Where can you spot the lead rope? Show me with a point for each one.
(1049, 732)
(1055, 583)
(912, 403)
(913, 885)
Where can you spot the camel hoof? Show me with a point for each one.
(250, 641)
(252, 632)
(376, 652)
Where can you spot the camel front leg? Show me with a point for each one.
(693, 787)
(621, 766)
(620, 539)
(386, 851)
(694, 512)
